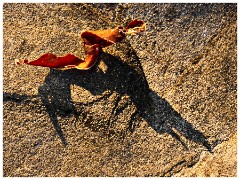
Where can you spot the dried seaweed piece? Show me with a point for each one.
(94, 41)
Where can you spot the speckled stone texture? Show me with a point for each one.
(162, 103)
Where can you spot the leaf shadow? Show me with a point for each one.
(124, 78)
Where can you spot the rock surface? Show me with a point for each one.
(221, 162)
(162, 103)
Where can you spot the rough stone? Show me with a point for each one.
(162, 103)
(219, 163)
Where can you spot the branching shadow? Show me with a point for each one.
(125, 78)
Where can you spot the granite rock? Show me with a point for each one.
(162, 103)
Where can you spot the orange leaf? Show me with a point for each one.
(94, 42)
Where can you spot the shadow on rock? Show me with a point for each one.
(123, 78)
